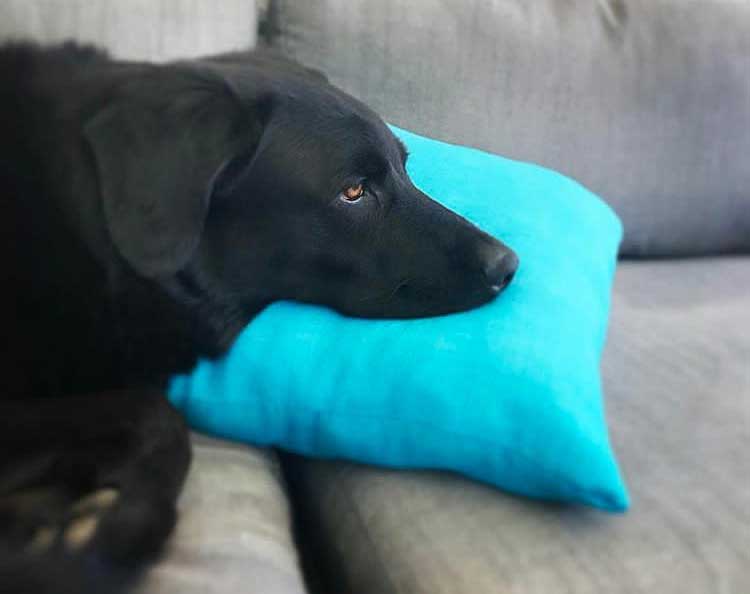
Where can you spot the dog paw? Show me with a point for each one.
(135, 529)
(77, 526)
(43, 539)
(97, 501)
(125, 529)
(85, 515)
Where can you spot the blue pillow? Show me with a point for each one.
(508, 394)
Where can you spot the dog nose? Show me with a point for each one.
(500, 268)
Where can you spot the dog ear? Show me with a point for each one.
(158, 148)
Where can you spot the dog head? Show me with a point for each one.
(254, 180)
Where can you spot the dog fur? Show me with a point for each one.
(148, 213)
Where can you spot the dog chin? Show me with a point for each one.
(407, 307)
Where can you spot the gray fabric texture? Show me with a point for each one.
(646, 102)
(677, 378)
(234, 530)
(154, 30)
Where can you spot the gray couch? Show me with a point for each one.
(645, 101)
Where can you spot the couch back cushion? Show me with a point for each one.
(647, 102)
(155, 30)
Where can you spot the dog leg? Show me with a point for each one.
(125, 454)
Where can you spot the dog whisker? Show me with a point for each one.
(388, 296)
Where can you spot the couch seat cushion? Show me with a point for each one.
(234, 529)
(677, 374)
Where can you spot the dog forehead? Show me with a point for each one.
(309, 110)
(337, 138)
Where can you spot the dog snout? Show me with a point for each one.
(499, 264)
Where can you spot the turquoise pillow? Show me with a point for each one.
(508, 394)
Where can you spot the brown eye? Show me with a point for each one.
(353, 193)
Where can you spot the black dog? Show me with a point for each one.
(148, 213)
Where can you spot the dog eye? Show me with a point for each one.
(353, 193)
